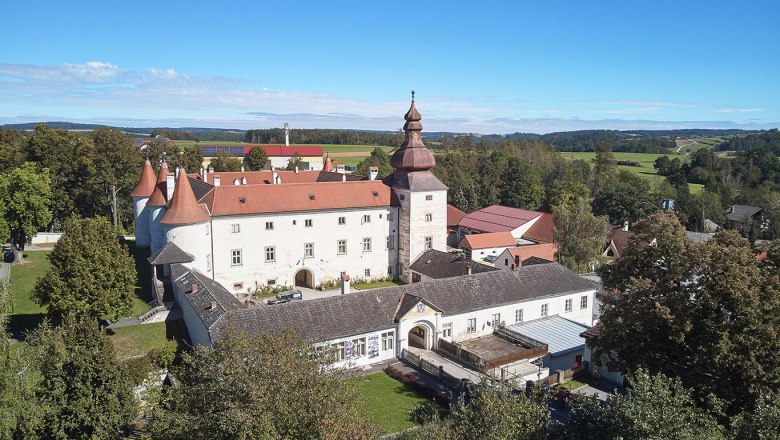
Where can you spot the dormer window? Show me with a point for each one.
(311, 197)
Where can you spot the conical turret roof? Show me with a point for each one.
(146, 182)
(160, 189)
(184, 208)
(412, 154)
(328, 164)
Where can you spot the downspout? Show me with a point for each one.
(213, 268)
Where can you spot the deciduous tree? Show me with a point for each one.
(256, 159)
(225, 163)
(579, 234)
(296, 161)
(264, 387)
(654, 407)
(379, 159)
(706, 313)
(83, 391)
(522, 185)
(627, 199)
(26, 195)
(91, 275)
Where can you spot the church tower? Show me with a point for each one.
(421, 197)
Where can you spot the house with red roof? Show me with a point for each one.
(278, 155)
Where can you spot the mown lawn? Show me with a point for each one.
(143, 286)
(646, 160)
(376, 284)
(138, 340)
(388, 401)
(26, 314)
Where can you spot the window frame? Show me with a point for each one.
(584, 302)
(339, 244)
(308, 223)
(388, 340)
(471, 325)
(519, 315)
(428, 243)
(235, 228)
(308, 250)
(366, 244)
(568, 305)
(269, 226)
(272, 250)
(545, 311)
(236, 257)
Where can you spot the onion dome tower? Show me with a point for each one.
(156, 206)
(421, 197)
(183, 224)
(141, 195)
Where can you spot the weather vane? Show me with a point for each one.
(412, 95)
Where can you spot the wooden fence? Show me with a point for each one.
(432, 369)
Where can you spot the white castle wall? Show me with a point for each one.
(143, 237)
(194, 240)
(289, 240)
(155, 229)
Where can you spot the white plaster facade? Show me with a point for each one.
(425, 213)
(481, 254)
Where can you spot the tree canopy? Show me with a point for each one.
(25, 194)
(579, 235)
(91, 275)
(706, 313)
(225, 163)
(379, 159)
(263, 387)
(256, 159)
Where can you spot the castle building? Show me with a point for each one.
(245, 230)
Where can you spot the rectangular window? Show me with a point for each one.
(366, 218)
(496, 319)
(446, 331)
(270, 253)
(567, 306)
(208, 262)
(519, 315)
(342, 220)
(295, 222)
(544, 309)
(428, 243)
(367, 273)
(269, 226)
(471, 325)
(235, 228)
(308, 250)
(235, 257)
(271, 282)
(584, 302)
(389, 216)
(337, 352)
(367, 244)
(388, 341)
(429, 197)
(401, 197)
(428, 217)
(391, 242)
(342, 247)
(389, 270)
(238, 286)
(358, 347)
(308, 223)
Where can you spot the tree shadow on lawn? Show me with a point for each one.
(20, 325)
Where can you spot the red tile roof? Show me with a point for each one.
(184, 209)
(159, 193)
(542, 229)
(454, 215)
(259, 177)
(254, 199)
(619, 238)
(497, 218)
(146, 182)
(541, 250)
(284, 151)
(489, 240)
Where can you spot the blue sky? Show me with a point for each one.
(483, 67)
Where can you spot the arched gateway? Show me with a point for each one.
(304, 278)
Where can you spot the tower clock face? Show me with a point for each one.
(420, 307)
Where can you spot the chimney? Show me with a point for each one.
(236, 181)
(373, 172)
(242, 168)
(731, 209)
(625, 225)
(206, 175)
(243, 180)
(468, 269)
(211, 169)
(344, 284)
(274, 176)
(170, 185)
(213, 305)
(193, 288)
(216, 181)
(296, 169)
(343, 177)
(176, 172)
(286, 135)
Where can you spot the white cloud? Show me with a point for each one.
(99, 91)
(739, 110)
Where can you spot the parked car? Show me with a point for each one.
(563, 396)
(274, 301)
(291, 295)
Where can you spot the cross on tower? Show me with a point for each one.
(412, 95)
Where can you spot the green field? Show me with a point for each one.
(351, 161)
(388, 401)
(646, 160)
(26, 314)
(137, 340)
